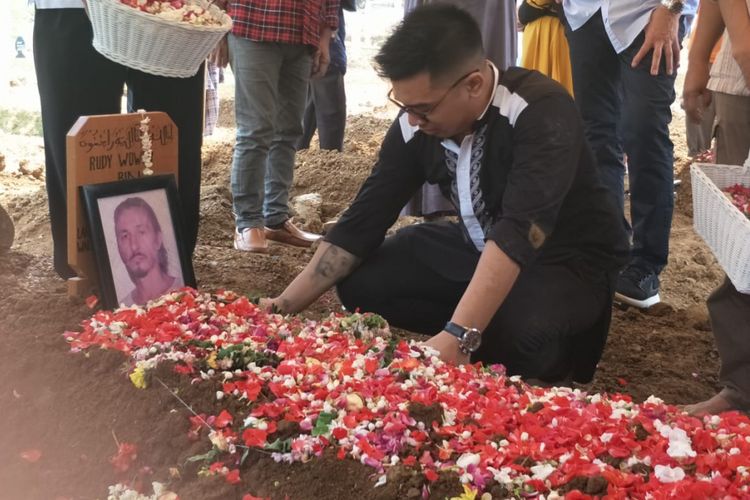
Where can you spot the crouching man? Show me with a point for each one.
(526, 276)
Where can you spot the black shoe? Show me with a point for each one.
(638, 287)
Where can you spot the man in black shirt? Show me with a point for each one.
(532, 261)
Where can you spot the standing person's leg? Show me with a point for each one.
(182, 99)
(73, 80)
(732, 128)
(730, 321)
(292, 83)
(645, 131)
(256, 67)
(309, 121)
(329, 95)
(596, 82)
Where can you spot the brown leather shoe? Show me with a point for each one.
(291, 235)
(250, 240)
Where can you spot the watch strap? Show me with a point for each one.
(674, 6)
(455, 329)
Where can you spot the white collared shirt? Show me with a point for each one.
(57, 4)
(726, 75)
(623, 19)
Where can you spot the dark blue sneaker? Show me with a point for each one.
(638, 287)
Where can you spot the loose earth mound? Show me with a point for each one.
(64, 414)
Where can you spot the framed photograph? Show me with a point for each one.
(137, 239)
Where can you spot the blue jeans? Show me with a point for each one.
(627, 110)
(270, 90)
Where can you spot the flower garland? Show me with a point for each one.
(342, 384)
(147, 151)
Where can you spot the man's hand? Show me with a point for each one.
(321, 60)
(695, 95)
(220, 55)
(270, 305)
(662, 37)
(448, 345)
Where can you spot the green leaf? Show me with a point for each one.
(323, 423)
(281, 446)
(205, 457)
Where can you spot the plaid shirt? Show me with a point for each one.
(284, 21)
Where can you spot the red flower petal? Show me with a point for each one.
(224, 419)
(91, 301)
(254, 437)
(431, 475)
(233, 476)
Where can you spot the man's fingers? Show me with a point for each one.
(640, 55)
(656, 59)
(668, 60)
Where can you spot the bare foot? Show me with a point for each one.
(713, 406)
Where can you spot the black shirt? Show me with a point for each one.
(539, 195)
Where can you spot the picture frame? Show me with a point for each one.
(137, 239)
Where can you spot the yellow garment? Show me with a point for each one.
(545, 49)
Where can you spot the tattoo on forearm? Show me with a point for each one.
(335, 263)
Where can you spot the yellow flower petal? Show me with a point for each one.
(211, 361)
(468, 494)
(138, 377)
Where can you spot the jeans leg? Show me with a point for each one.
(294, 77)
(256, 67)
(596, 83)
(73, 80)
(645, 132)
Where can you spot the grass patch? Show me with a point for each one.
(21, 122)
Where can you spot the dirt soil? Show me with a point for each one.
(74, 408)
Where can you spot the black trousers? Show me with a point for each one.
(75, 80)
(627, 109)
(326, 111)
(553, 323)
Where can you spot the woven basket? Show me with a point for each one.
(151, 44)
(725, 229)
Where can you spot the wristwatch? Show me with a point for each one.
(469, 339)
(674, 6)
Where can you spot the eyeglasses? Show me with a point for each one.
(424, 115)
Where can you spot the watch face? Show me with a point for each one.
(471, 340)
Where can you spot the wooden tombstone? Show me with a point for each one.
(107, 148)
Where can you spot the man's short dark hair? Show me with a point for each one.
(438, 39)
(138, 202)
